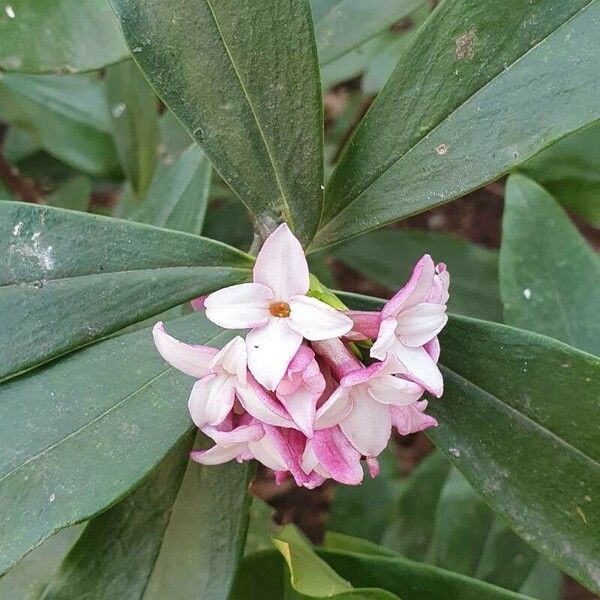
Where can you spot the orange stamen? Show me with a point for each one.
(280, 309)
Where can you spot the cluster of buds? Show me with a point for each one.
(313, 389)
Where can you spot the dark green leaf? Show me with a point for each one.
(388, 257)
(570, 171)
(364, 511)
(79, 434)
(349, 23)
(135, 125)
(501, 384)
(481, 89)
(28, 578)
(504, 384)
(69, 278)
(549, 275)
(174, 138)
(228, 222)
(258, 116)
(178, 196)
(312, 577)
(67, 116)
(260, 577)
(59, 36)
(160, 541)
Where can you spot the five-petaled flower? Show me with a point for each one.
(276, 309)
(294, 394)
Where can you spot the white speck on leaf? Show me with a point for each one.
(464, 46)
(441, 149)
(137, 49)
(455, 452)
(118, 109)
(17, 229)
(527, 293)
(52, 497)
(322, 187)
(10, 11)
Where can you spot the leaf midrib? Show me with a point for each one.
(125, 271)
(500, 73)
(98, 417)
(287, 214)
(543, 429)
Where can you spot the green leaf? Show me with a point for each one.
(229, 222)
(69, 278)
(434, 133)
(312, 577)
(79, 434)
(506, 384)
(59, 36)
(67, 116)
(388, 257)
(258, 116)
(570, 171)
(501, 384)
(548, 272)
(135, 125)
(160, 541)
(369, 569)
(364, 511)
(28, 578)
(349, 23)
(73, 194)
(178, 196)
(174, 138)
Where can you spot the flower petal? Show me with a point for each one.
(232, 358)
(261, 404)
(217, 455)
(335, 409)
(189, 359)
(385, 338)
(316, 320)
(211, 400)
(337, 455)
(270, 350)
(420, 366)
(415, 291)
(239, 306)
(239, 435)
(420, 323)
(368, 426)
(390, 389)
(365, 324)
(281, 265)
(411, 418)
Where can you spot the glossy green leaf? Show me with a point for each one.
(135, 125)
(501, 384)
(570, 171)
(59, 36)
(73, 194)
(160, 541)
(115, 554)
(260, 577)
(549, 274)
(388, 258)
(312, 577)
(349, 23)
(28, 578)
(80, 433)
(69, 278)
(67, 116)
(507, 384)
(258, 116)
(442, 520)
(481, 89)
(178, 196)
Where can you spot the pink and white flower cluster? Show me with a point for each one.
(293, 394)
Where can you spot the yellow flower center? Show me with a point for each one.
(280, 309)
